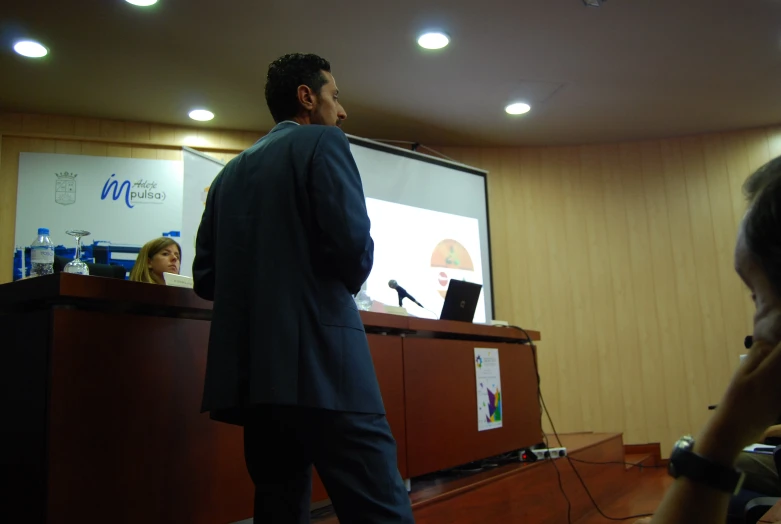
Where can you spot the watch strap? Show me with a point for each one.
(685, 463)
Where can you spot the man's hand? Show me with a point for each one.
(751, 404)
(772, 432)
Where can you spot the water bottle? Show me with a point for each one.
(42, 254)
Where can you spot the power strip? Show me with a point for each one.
(542, 454)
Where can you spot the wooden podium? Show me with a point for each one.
(101, 387)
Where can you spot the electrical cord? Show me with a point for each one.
(558, 478)
(641, 466)
(544, 409)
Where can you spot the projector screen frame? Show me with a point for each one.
(414, 155)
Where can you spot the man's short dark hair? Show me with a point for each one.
(285, 74)
(762, 225)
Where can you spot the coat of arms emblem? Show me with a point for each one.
(65, 188)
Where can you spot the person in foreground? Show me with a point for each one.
(158, 256)
(283, 244)
(760, 469)
(704, 467)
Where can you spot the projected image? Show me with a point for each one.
(422, 250)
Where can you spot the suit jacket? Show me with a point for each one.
(283, 243)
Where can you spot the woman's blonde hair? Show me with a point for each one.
(140, 271)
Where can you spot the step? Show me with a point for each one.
(639, 460)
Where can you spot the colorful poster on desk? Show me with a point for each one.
(489, 389)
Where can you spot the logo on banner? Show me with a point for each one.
(131, 193)
(65, 188)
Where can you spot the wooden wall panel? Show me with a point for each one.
(621, 254)
(628, 273)
(89, 136)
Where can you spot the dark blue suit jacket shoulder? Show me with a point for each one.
(283, 243)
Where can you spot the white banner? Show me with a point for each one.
(122, 202)
(199, 172)
(489, 389)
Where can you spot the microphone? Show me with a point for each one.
(402, 293)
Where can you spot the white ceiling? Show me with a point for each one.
(631, 69)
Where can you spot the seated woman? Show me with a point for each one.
(158, 256)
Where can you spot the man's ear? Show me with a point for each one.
(306, 97)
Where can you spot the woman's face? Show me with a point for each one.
(165, 261)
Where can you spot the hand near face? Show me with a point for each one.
(752, 401)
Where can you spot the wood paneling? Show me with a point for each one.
(23, 441)
(532, 493)
(125, 432)
(117, 131)
(643, 497)
(621, 254)
(87, 136)
(654, 450)
(441, 403)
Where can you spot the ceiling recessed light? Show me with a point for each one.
(518, 108)
(433, 40)
(594, 3)
(201, 114)
(30, 49)
(142, 3)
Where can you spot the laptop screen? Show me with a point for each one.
(461, 301)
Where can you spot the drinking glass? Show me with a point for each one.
(77, 266)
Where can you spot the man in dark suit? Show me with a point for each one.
(283, 244)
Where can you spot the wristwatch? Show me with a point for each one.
(686, 463)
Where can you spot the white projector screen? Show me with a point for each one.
(429, 224)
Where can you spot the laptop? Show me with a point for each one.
(460, 301)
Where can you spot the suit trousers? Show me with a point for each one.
(354, 453)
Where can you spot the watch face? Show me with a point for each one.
(684, 445)
(684, 462)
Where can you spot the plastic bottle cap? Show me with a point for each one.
(43, 231)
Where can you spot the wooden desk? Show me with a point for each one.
(101, 386)
(102, 383)
(439, 383)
